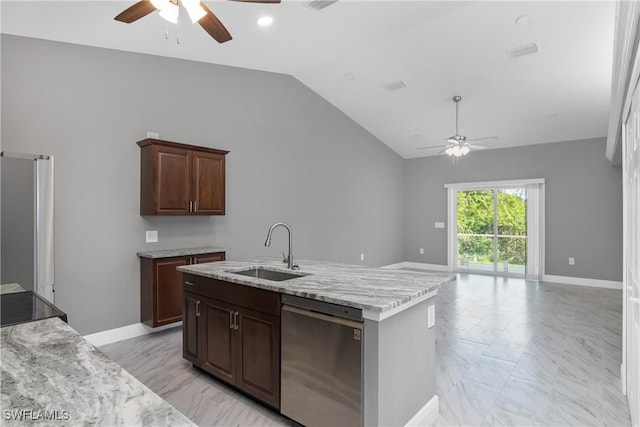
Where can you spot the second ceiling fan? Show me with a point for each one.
(169, 10)
(458, 145)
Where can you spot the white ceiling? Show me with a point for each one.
(438, 48)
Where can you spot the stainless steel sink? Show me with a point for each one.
(263, 273)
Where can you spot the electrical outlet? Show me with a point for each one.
(152, 236)
(572, 261)
(421, 251)
(431, 316)
(362, 257)
(439, 225)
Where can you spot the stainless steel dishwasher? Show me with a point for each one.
(321, 356)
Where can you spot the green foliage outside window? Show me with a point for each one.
(475, 216)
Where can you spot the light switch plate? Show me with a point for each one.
(152, 236)
(572, 261)
(439, 224)
(431, 316)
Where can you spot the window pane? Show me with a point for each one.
(475, 212)
(512, 212)
(512, 254)
(475, 253)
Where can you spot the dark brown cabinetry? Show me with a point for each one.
(233, 333)
(181, 179)
(161, 287)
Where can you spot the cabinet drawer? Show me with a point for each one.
(191, 283)
(245, 296)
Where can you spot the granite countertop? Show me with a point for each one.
(168, 253)
(374, 290)
(53, 376)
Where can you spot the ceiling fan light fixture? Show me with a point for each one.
(170, 12)
(194, 10)
(160, 4)
(465, 150)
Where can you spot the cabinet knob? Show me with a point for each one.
(189, 283)
(197, 308)
(231, 319)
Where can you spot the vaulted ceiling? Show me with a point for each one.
(349, 51)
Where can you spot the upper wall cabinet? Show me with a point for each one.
(181, 179)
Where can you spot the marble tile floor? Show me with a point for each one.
(509, 353)
(512, 352)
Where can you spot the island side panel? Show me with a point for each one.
(399, 366)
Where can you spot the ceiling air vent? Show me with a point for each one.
(320, 4)
(517, 52)
(392, 87)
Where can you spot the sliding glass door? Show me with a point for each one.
(492, 231)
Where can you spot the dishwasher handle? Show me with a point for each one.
(324, 317)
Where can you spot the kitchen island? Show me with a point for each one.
(397, 310)
(53, 376)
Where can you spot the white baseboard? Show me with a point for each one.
(418, 265)
(581, 281)
(124, 333)
(426, 416)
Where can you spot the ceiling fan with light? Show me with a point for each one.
(170, 10)
(458, 145)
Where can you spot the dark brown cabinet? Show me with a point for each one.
(161, 287)
(181, 179)
(233, 333)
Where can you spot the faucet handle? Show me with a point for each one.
(285, 258)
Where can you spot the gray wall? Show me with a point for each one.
(18, 207)
(293, 158)
(583, 210)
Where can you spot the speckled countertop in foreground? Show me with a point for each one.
(53, 376)
(370, 289)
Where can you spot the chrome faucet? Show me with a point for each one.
(289, 258)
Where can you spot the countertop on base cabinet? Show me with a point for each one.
(161, 282)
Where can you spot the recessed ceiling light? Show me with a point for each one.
(265, 21)
(523, 20)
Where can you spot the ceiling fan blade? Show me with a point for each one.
(213, 26)
(478, 146)
(432, 146)
(258, 1)
(135, 12)
(485, 138)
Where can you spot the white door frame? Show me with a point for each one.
(535, 222)
(630, 368)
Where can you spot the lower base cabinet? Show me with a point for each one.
(233, 333)
(161, 287)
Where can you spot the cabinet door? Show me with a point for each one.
(205, 258)
(208, 183)
(173, 180)
(217, 339)
(191, 329)
(168, 290)
(259, 353)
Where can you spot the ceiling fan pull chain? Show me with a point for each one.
(178, 25)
